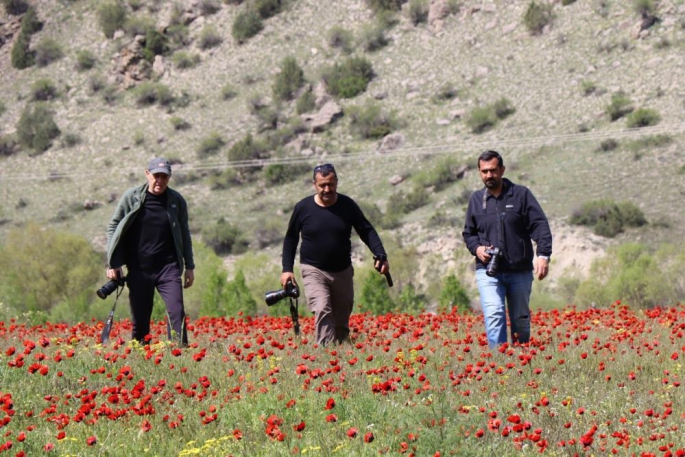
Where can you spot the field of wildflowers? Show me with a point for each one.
(591, 382)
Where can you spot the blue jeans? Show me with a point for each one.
(515, 288)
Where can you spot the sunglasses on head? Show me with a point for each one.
(324, 169)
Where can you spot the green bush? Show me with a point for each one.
(306, 103)
(224, 179)
(8, 146)
(608, 145)
(288, 80)
(283, 173)
(148, 93)
(375, 296)
(537, 17)
(379, 6)
(370, 122)
(43, 90)
(210, 145)
(36, 127)
(246, 25)
(642, 117)
(608, 218)
(372, 38)
(69, 140)
(179, 123)
(503, 108)
(567, 2)
(183, 60)
(453, 295)
(224, 238)
(111, 17)
(22, 57)
(85, 60)
(267, 8)
(47, 51)
(15, 7)
(350, 78)
(446, 92)
(444, 173)
(155, 44)
(209, 37)
(340, 38)
(246, 149)
(481, 119)
(178, 35)
(650, 142)
(588, 87)
(3, 108)
(645, 8)
(40, 267)
(138, 25)
(620, 106)
(209, 7)
(400, 203)
(30, 23)
(418, 11)
(228, 92)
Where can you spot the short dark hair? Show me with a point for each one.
(324, 170)
(488, 155)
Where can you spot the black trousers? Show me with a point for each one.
(141, 286)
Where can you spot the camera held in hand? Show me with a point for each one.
(493, 264)
(109, 287)
(273, 297)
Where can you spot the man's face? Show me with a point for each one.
(491, 173)
(157, 183)
(326, 187)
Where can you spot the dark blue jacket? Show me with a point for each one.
(522, 220)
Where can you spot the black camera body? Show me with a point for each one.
(493, 265)
(110, 286)
(273, 297)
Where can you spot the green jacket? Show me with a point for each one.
(127, 209)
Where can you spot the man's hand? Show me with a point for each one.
(288, 276)
(482, 254)
(115, 273)
(541, 267)
(188, 278)
(382, 266)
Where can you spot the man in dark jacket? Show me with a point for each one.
(325, 221)
(502, 219)
(149, 234)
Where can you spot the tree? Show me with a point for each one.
(36, 127)
(238, 297)
(375, 296)
(453, 295)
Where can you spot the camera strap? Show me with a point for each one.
(294, 315)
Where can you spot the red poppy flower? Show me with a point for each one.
(331, 418)
(352, 432)
(299, 427)
(91, 440)
(368, 437)
(330, 404)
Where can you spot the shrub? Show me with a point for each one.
(642, 117)
(228, 92)
(267, 8)
(445, 172)
(446, 92)
(224, 179)
(47, 51)
(481, 119)
(70, 140)
(22, 57)
(567, 2)
(341, 38)
(588, 87)
(282, 173)
(379, 6)
(183, 60)
(155, 44)
(138, 25)
(210, 145)
(608, 145)
(503, 108)
(43, 90)
(178, 35)
(453, 295)
(36, 127)
(149, 93)
(40, 267)
(418, 11)
(224, 238)
(620, 106)
(537, 17)
(7, 146)
(246, 25)
(372, 38)
(650, 142)
(15, 7)
(85, 60)
(645, 8)
(375, 297)
(111, 17)
(306, 103)
(288, 80)
(209, 7)
(607, 218)
(370, 122)
(209, 37)
(239, 299)
(400, 203)
(179, 123)
(30, 23)
(246, 149)
(350, 78)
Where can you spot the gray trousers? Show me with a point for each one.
(330, 296)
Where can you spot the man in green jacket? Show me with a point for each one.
(149, 234)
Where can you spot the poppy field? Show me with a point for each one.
(590, 382)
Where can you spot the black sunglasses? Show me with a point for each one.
(324, 169)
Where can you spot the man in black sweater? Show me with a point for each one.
(502, 219)
(325, 221)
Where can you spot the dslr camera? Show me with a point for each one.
(109, 287)
(273, 297)
(493, 265)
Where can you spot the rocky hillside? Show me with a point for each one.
(434, 74)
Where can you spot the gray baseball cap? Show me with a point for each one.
(159, 165)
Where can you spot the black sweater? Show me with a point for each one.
(326, 234)
(522, 221)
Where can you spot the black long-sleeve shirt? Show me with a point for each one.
(326, 232)
(522, 220)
